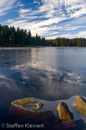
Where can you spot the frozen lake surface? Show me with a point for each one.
(47, 73)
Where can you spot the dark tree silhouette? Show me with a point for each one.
(9, 36)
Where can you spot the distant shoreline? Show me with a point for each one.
(40, 46)
(11, 37)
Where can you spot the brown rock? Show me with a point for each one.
(80, 105)
(63, 112)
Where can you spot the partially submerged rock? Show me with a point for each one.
(63, 112)
(24, 103)
(80, 105)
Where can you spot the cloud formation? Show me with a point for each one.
(52, 18)
(6, 5)
(19, 4)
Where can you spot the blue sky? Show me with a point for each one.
(47, 18)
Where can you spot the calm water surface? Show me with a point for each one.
(47, 73)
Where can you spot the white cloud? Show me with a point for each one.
(36, 2)
(61, 35)
(6, 5)
(36, 27)
(45, 19)
(19, 4)
(81, 34)
(23, 11)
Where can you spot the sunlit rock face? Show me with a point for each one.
(63, 111)
(28, 104)
(80, 105)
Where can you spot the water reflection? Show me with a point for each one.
(41, 81)
(46, 73)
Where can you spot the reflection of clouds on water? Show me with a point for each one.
(72, 78)
(37, 65)
(51, 73)
(7, 82)
(49, 82)
(39, 79)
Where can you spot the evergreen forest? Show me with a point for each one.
(11, 37)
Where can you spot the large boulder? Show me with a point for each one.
(63, 112)
(80, 105)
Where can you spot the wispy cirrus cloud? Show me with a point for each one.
(52, 18)
(20, 4)
(6, 5)
(81, 34)
(36, 2)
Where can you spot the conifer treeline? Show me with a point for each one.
(9, 36)
(68, 42)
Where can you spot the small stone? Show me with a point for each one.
(63, 112)
(80, 105)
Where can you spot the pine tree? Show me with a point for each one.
(2, 38)
(29, 39)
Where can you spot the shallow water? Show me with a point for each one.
(47, 73)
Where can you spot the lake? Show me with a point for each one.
(48, 73)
